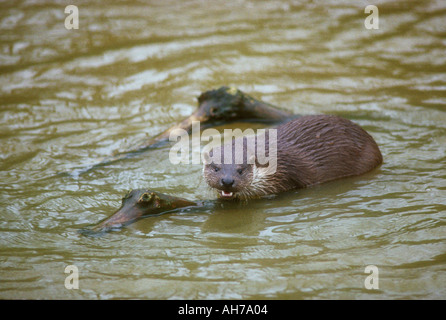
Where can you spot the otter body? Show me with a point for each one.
(310, 150)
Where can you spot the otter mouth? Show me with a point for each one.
(226, 194)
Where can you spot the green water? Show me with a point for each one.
(71, 97)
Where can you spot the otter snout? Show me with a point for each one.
(227, 182)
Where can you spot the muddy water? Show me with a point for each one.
(71, 97)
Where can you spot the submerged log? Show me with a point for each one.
(137, 204)
(215, 107)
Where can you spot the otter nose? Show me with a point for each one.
(227, 182)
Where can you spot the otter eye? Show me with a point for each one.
(240, 171)
(216, 169)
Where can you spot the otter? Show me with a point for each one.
(309, 150)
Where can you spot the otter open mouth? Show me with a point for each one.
(226, 194)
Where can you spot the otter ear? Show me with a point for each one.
(206, 158)
(252, 159)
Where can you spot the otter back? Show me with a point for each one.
(320, 148)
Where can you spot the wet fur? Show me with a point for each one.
(310, 150)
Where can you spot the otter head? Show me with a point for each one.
(239, 170)
(235, 176)
(231, 181)
(228, 171)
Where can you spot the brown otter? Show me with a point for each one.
(310, 150)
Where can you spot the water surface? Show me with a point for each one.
(69, 98)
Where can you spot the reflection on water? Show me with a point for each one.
(72, 97)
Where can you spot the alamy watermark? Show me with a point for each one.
(372, 20)
(72, 280)
(372, 280)
(250, 149)
(72, 20)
